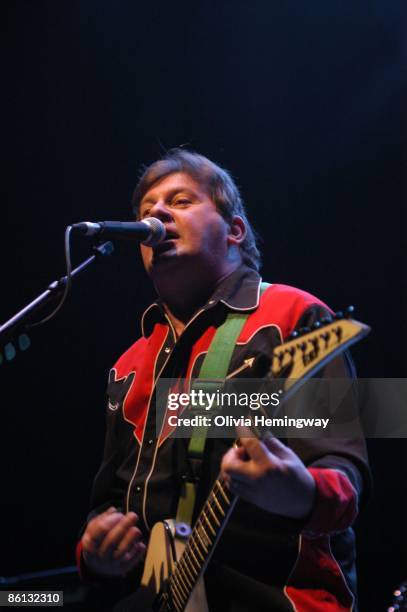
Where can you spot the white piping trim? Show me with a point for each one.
(241, 343)
(174, 333)
(156, 378)
(237, 308)
(196, 315)
(145, 424)
(338, 565)
(249, 307)
(295, 609)
(144, 314)
(341, 572)
(258, 329)
(149, 476)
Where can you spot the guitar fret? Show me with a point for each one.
(189, 566)
(205, 534)
(176, 602)
(196, 530)
(208, 522)
(178, 607)
(187, 583)
(195, 545)
(194, 557)
(227, 500)
(199, 546)
(181, 588)
(181, 569)
(218, 504)
(192, 560)
(214, 516)
(175, 597)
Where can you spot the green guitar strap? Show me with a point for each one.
(211, 378)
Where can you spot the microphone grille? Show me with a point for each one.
(157, 231)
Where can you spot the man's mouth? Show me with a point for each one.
(166, 244)
(170, 235)
(163, 246)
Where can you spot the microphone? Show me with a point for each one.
(150, 231)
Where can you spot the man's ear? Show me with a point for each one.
(237, 231)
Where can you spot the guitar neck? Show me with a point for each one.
(201, 543)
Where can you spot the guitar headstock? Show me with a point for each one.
(307, 350)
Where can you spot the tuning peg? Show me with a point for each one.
(316, 325)
(349, 311)
(293, 335)
(9, 351)
(339, 314)
(325, 320)
(304, 330)
(23, 342)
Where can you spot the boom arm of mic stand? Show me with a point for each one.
(18, 322)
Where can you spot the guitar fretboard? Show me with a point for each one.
(201, 543)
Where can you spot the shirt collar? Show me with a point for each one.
(239, 291)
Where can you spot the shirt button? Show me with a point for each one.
(211, 302)
(138, 489)
(167, 349)
(150, 442)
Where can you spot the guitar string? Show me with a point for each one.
(185, 564)
(213, 496)
(177, 588)
(200, 525)
(186, 567)
(176, 601)
(183, 589)
(191, 571)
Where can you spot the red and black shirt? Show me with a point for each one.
(263, 561)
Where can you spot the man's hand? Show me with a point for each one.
(111, 544)
(270, 475)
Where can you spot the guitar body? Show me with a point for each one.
(162, 553)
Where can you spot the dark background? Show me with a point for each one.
(302, 102)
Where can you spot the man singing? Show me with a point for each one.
(289, 544)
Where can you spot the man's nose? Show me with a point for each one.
(161, 211)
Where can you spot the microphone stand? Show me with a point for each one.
(18, 323)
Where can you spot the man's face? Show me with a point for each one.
(197, 235)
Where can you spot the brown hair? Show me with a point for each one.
(219, 184)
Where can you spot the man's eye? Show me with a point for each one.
(144, 213)
(181, 201)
